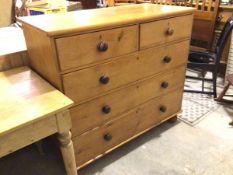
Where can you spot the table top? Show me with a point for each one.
(94, 19)
(226, 7)
(26, 98)
(11, 40)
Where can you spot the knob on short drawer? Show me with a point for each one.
(104, 79)
(167, 59)
(106, 109)
(164, 84)
(170, 31)
(107, 137)
(163, 108)
(102, 46)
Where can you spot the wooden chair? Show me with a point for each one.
(89, 4)
(221, 96)
(205, 18)
(206, 61)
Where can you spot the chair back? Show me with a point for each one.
(223, 38)
(204, 22)
(90, 4)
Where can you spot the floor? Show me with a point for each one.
(169, 149)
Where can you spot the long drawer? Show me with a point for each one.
(105, 108)
(94, 47)
(163, 31)
(91, 82)
(97, 142)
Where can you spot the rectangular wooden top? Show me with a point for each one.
(86, 20)
(11, 40)
(226, 7)
(25, 98)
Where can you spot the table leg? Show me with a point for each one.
(67, 150)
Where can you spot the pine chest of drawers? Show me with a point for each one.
(124, 67)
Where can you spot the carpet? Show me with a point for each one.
(195, 107)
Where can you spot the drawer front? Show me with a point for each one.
(91, 82)
(96, 142)
(160, 32)
(103, 109)
(89, 48)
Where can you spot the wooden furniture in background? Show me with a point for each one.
(122, 83)
(210, 61)
(30, 110)
(224, 13)
(126, 2)
(171, 2)
(205, 17)
(221, 96)
(89, 4)
(123, 2)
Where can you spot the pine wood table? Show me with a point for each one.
(30, 110)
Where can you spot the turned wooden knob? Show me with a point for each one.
(167, 59)
(102, 46)
(164, 84)
(170, 31)
(163, 108)
(106, 109)
(108, 137)
(104, 79)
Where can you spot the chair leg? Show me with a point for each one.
(214, 84)
(40, 147)
(220, 97)
(202, 85)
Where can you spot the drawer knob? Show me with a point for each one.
(170, 31)
(219, 18)
(106, 109)
(102, 46)
(107, 137)
(163, 108)
(167, 59)
(164, 84)
(104, 79)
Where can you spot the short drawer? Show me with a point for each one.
(160, 32)
(97, 142)
(94, 47)
(91, 82)
(105, 108)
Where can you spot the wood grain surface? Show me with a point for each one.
(87, 20)
(26, 98)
